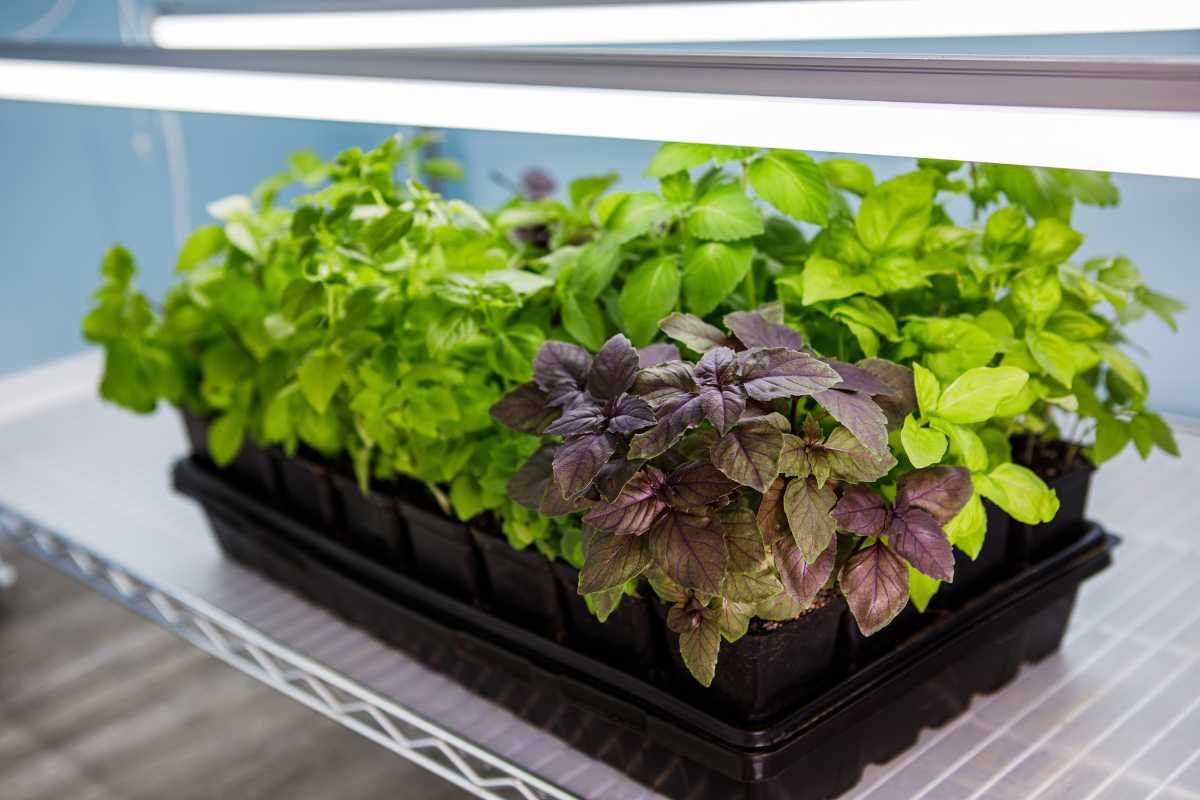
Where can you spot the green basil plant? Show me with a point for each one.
(379, 325)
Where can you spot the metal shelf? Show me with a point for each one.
(1116, 714)
(86, 488)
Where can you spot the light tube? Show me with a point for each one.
(1149, 142)
(646, 23)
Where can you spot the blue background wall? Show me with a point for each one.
(75, 180)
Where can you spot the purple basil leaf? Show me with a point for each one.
(749, 454)
(807, 508)
(610, 560)
(665, 383)
(654, 354)
(848, 460)
(700, 645)
(861, 510)
(533, 485)
(635, 508)
(684, 616)
(742, 538)
(942, 491)
(717, 367)
(801, 579)
(614, 475)
(903, 400)
(875, 583)
(528, 484)
(860, 414)
(605, 603)
(734, 618)
(560, 370)
(583, 417)
(669, 430)
(631, 414)
(772, 372)
(693, 332)
(525, 409)
(793, 459)
(858, 380)
(742, 587)
(771, 518)
(696, 484)
(613, 369)
(691, 549)
(578, 460)
(555, 505)
(753, 330)
(723, 406)
(916, 536)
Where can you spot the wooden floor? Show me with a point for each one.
(98, 704)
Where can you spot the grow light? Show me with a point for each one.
(1141, 118)
(665, 22)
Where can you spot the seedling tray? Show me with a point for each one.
(815, 749)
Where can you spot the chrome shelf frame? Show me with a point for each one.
(240, 646)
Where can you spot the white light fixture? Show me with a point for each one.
(1150, 142)
(646, 23)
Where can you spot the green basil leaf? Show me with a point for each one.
(650, 294)
(793, 183)
(724, 214)
(895, 214)
(974, 395)
(674, 156)
(712, 272)
(924, 446)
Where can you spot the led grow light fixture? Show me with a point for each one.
(667, 22)
(1151, 142)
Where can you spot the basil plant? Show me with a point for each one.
(737, 484)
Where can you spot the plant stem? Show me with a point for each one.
(750, 286)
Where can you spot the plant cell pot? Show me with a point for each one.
(628, 637)
(307, 488)
(196, 429)
(1033, 542)
(991, 564)
(373, 520)
(253, 466)
(770, 667)
(523, 586)
(444, 553)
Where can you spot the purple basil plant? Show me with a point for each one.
(737, 485)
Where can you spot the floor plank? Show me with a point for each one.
(98, 704)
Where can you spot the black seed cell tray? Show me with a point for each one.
(816, 748)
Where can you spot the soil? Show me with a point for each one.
(761, 626)
(1049, 458)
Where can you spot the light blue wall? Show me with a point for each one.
(74, 181)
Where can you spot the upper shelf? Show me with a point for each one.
(1139, 115)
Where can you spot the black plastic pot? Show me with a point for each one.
(373, 520)
(523, 586)
(772, 666)
(1032, 542)
(991, 565)
(909, 623)
(196, 428)
(628, 637)
(444, 553)
(816, 747)
(253, 467)
(307, 488)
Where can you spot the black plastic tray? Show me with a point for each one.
(816, 749)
